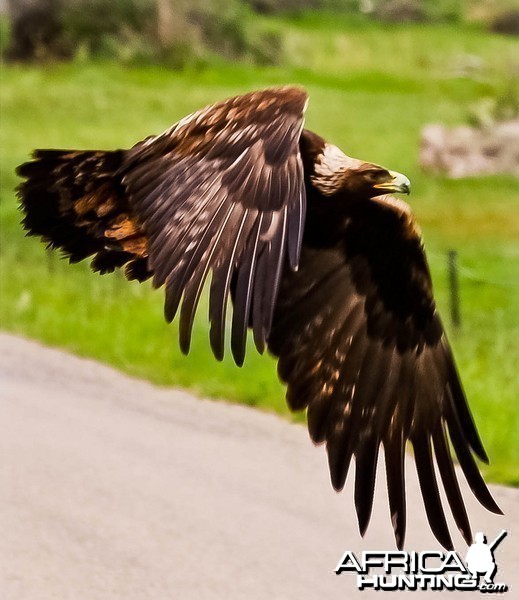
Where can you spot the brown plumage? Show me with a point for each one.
(327, 271)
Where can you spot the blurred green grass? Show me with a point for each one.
(372, 88)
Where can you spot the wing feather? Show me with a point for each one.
(429, 487)
(243, 295)
(295, 230)
(220, 286)
(395, 477)
(241, 157)
(273, 275)
(362, 348)
(450, 482)
(193, 289)
(365, 471)
(467, 463)
(189, 259)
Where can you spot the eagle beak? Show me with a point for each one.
(397, 183)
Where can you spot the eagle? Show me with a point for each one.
(321, 263)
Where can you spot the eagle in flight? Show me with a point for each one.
(325, 268)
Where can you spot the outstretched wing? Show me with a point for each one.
(361, 346)
(223, 191)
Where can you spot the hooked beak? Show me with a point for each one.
(397, 183)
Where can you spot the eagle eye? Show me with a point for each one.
(376, 175)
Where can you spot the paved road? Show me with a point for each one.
(113, 488)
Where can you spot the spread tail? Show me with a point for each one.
(74, 201)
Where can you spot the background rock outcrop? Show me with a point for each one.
(467, 151)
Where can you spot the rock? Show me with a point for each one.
(401, 11)
(468, 151)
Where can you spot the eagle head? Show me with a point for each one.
(373, 180)
(335, 174)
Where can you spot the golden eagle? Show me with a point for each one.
(327, 270)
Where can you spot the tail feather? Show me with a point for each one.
(74, 201)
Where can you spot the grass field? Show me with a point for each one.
(372, 88)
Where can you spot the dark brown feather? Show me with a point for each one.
(429, 487)
(450, 483)
(395, 371)
(394, 452)
(73, 201)
(241, 153)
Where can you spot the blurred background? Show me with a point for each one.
(426, 87)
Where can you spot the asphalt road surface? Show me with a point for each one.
(111, 488)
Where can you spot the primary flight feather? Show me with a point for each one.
(327, 270)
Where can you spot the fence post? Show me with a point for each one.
(454, 290)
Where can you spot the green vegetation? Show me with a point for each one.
(372, 88)
(174, 33)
